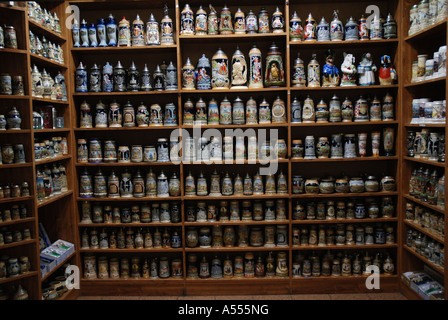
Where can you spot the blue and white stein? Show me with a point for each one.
(81, 78)
(111, 27)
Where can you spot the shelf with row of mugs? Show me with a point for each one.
(435, 267)
(53, 199)
(45, 62)
(427, 232)
(49, 34)
(344, 43)
(425, 161)
(425, 204)
(416, 85)
(434, 30)
(19, 221)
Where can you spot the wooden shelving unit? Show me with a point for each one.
(56, 213)
(425, 41)
(61, 214)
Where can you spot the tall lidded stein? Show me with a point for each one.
(212, 21)
(255, 68)
(278, 22)
(296, 28)
(186, 21)
(138, 32)
(92, 36)
(171, 77)
(203, 74)
(225, 21)
(188, 76)
(323, 30)
(239, 70)
(298, 74)
(310, 29)
(220, 70)
(167, 28)
(313, 72)
(75, 34)
(275, 74)
(336, 28)
(124, 33)
(152, 32)
(200, 26)
(81, 78)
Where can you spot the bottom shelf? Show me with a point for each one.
(408, 292)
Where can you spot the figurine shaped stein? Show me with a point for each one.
(263, 21)
(240, 22)
(351, 30)
(330, 73)
(220, 70)
(167, 28)
(387, 73)
(92, 36)
(124, 33)
(313, 72)
(278, 22)
(187, 21)
(188, 76)
(201, 22)
(296, 32)
(111, 27)
(239, 70)
(310, 29)
(101, 32)
(84, 32)
(366, 70)
(212, 21)
(251, 22)
(138, 32)
(323, 30)
(75, 34)
(274, 75)
(336, 28)
(152, 32)
(81, 78)
(348, 69)
(255, 68)
(203, 72)
(225, 21)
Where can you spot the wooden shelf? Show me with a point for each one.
(350, 43)
(13, 51)
(18, 199)
(234, 223)
(121, 199)
(45, 62)
(127, 164)
(38, 29)
(122, 50)
(132, 224)
(235, 162)
(429, 233)
(53, 199)
(343, 221)
(237, 126)
(346, 247)
(394, 158)
(13, 97)
(55, 159)
(22, 131)
(423, 259)
(354, 88)
(18, 244)
(281, 36)
(425, 204)
(237, 249)
(423, 125)
(432, 30)
(126, 129)
(228, 91)
(16, 165)
(18, 221)
(62, 130)
(424, 161)
(146, 250)
(425, 82)
(223, 198)
(19, 277)
(126, 93)
(35, 99)
(344, 195)
(343, 124)
(409, 292)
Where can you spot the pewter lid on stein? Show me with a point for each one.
(145, 69)
(158, 70)
(323, 22)
(132, 67)
(80, 66)
(119, 66)
(298, 59)
(295, 15)
(151, 18)
(203, 61)
(188, 63)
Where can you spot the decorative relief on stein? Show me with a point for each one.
(255, 68)
(220, 71)
(274, 75)
(239, 70)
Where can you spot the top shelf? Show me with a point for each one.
(41, 30)
(434, 30)
(352, 43)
